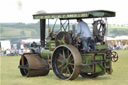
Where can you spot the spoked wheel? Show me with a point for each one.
(89, 75)
(65, 62)
(63, 38)
(99, 30)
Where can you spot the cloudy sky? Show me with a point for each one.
(22, 10)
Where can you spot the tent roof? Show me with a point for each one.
(118, 38)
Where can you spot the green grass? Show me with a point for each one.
(10, 74)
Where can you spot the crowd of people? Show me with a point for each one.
(13, 52)
(118, 45)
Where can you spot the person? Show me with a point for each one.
(84, 34)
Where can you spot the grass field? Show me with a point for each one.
(10, 75)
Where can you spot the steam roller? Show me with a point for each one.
(33, 65)
(61, 52)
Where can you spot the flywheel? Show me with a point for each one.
(63, 38)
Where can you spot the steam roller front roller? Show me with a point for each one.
(33, 65)
(66, 61)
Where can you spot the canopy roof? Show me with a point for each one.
(74, 15)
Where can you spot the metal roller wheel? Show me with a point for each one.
(24, 71)
(65, 62)
(32, 65)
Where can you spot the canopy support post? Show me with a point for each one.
(42, 32)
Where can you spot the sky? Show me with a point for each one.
(22, 10)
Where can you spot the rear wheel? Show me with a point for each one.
(65, 62)
(89, 75)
